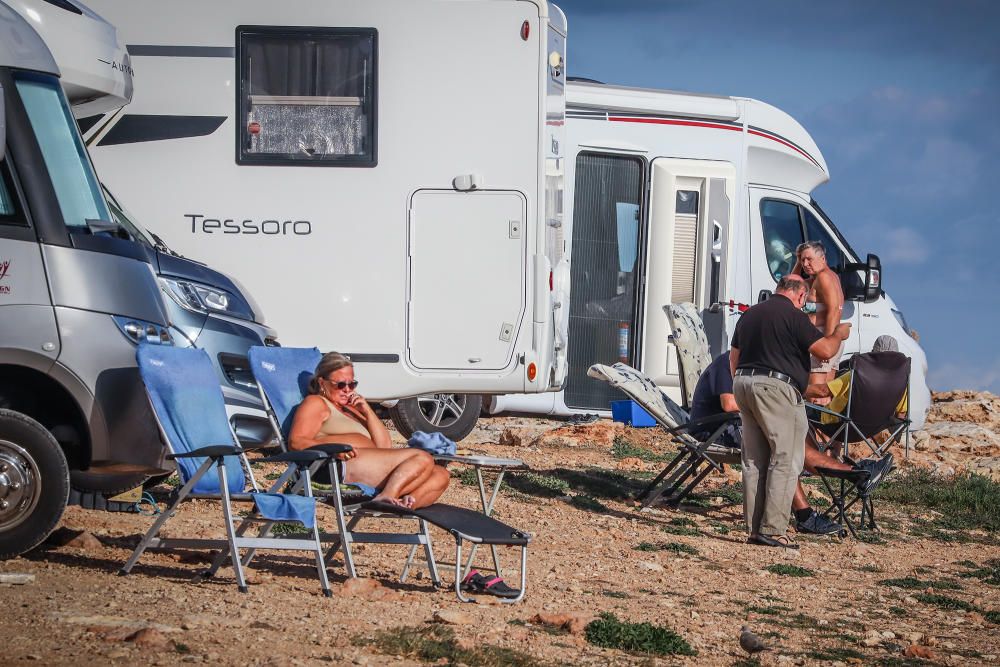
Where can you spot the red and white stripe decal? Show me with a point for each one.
(714, 126)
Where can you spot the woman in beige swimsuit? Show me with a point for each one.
(334, 413)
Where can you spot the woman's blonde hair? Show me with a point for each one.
(331, 361)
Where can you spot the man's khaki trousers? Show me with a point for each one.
(774, 431)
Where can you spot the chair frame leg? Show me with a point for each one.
(154, 530)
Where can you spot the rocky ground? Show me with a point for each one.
(920, 591)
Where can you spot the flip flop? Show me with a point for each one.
(475, 582)
(782, 541)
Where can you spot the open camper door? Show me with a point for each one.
(691, 209)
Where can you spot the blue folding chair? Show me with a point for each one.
(283, 375)
(184, 391)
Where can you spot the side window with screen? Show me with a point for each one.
(782, 235)
(816, 232)
(10, 212)
(307, 96)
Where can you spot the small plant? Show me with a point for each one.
(679, 548)
(992, 616)
(280, 529)
(965, 501)
(588, 504)
(898, 611)
(786, 570)
(989, 573)
(609, 632)
(836, 654)
(945, 602)
(912, 583)
(720, 528)
(623, 448)
(466, 476)
(535, 484)
(437, 644)
(681, 530)
(646, 546)
(181, 647)
(770, 610)
(615, 594)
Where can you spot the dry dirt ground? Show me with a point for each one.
(592, 552)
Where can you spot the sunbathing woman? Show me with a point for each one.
(335, 413)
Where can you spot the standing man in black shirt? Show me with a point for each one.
(770, 365)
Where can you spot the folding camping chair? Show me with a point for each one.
(878, 381)
(184, 391)
(696, 459)
(282, 375)
(687, 333)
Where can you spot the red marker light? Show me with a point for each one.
(532, 371)
(525, 30)
(551, 282)
(253, 128)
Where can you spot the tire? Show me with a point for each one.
(454, 415)
(109, 484)
(34, 483)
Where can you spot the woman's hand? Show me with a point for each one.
(347, 456)
(358, 402)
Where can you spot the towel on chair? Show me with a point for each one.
(434, 443)
(282, 507)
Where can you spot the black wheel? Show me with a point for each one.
(454, 415)
(109, 484)
(34, 483)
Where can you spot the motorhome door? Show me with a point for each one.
(780, 222)
(607, 227)
(691, 206)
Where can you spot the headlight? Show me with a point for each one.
(140, 331)
(200, 298)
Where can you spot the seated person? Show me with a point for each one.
(840, 386)
(714, 394)
(334, 413)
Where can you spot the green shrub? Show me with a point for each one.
(623, 448)
(679, 548)
(437, 644)
(945, 602)
(912, 583)
(588, 504)
(609, 632)
(786, 570)
(966, 500)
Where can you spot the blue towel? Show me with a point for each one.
(435, 443)
(284, 507)
(365, 489)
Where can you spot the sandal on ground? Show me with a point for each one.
(782, 541)
(475, 582)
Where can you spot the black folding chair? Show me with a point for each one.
(878, 382)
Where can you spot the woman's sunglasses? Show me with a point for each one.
(343, 385)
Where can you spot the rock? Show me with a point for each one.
(86, 541)
(917, 651)
(510, 439)
(16, 578)
(369, 589)
(914, 637)
(652, 567)
(975, 618)
(149, 638)
(573, 622)
(452, 617)
(871, 641)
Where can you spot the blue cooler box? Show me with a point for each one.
(631, 413)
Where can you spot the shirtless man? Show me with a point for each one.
(824, 304)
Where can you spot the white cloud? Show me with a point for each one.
(904, 245)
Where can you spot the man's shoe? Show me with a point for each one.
(877, 469)
(817, 524)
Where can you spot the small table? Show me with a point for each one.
(498, 465)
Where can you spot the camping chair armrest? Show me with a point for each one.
(711, 420)
(212, 451)
(298, 456)
(331, 449)
(823, 410)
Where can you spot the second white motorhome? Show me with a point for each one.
(675, 197)
(384, 176)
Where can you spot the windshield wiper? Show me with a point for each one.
(160, 246)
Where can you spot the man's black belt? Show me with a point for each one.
(766, 373)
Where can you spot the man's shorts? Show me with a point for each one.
(817, 365)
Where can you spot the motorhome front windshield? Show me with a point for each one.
(62, 148)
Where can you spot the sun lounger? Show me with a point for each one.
(282, 375)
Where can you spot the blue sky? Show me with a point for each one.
(901, 97)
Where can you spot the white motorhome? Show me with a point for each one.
(384, 176)
(675, 197)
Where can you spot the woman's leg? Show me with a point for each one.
(435, 484)
(393, 471)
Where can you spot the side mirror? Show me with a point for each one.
(3, 126)
(763, 295)
(863, 282)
